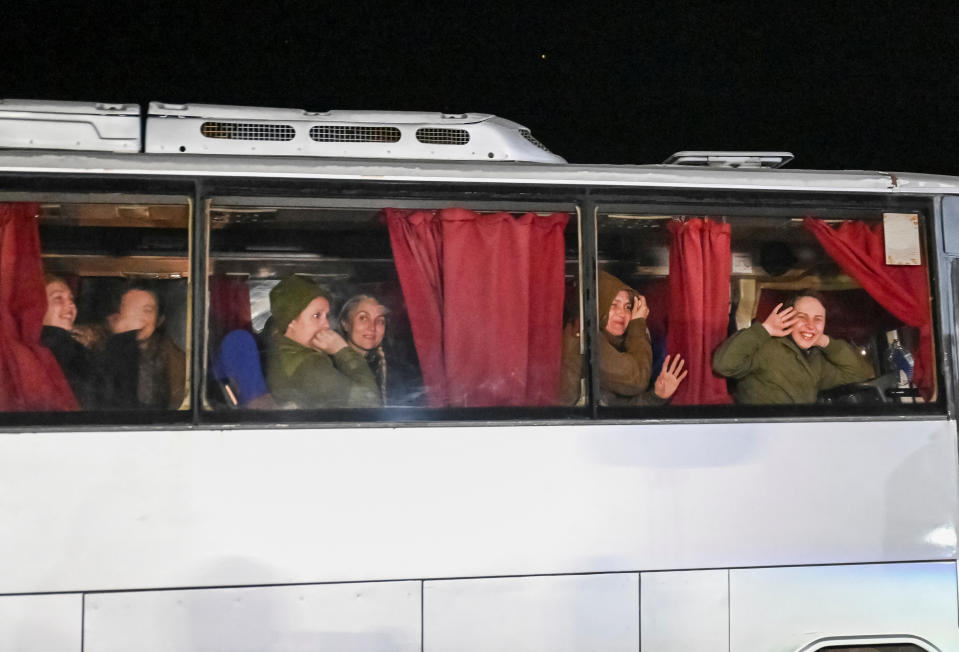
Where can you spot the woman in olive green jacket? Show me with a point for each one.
(788, 358)
(309, 365)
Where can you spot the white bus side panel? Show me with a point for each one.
(95, 511)
(685, 611)
(356, 617)
(560, 614)
(41, 623)
(787, 608)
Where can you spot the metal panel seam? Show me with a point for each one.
(639, 603)
(729, 614)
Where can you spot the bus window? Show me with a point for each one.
(718, 291)
(332, 306)
(108, 296)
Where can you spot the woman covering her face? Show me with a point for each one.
(310, 365)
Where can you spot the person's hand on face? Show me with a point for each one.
(138, 312)
(780, 321)
(640, 308)
(311, 328)
(328, 341)
(124, 322)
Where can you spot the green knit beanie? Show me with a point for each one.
(290, 296)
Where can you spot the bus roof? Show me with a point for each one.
(666, 176)
(213, 129)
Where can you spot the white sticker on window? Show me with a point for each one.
(902, 238)
(742, 263)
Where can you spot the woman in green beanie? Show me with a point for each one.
(309, 365)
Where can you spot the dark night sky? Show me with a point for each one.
(873, 86)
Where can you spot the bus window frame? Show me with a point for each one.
(107, 189)
(701, 201)
(375, 198)
(696, 201)
(788, 204)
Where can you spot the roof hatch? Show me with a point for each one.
(731, 159)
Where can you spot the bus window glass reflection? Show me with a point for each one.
(727, 284)
(488, 334)
(76, 291)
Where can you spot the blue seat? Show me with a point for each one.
(237, 369)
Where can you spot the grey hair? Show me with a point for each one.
(346, 312)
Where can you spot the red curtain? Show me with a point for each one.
(30, 378)
(547, 293)
(700, 264)
(229, 307)
(484, 294)
(903, 290)
(417, 241)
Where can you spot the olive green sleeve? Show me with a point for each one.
(736, 357)
(312, 379)
(359, 379)
(843, 365)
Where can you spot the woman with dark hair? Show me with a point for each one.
(788, 358)
(143, 367)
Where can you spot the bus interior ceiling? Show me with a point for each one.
(130, 240)
(99, 247)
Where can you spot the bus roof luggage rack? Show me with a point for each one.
(89, 126)
(219, 129)
(731, 159)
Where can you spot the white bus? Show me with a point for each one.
(473, 510)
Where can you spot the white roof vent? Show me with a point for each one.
(731, 159)
(216, 129)
(91, 126)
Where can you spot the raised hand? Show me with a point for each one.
(670, 376)
(124, 322)
(640, 308)
(328, 341)
(780, 321)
